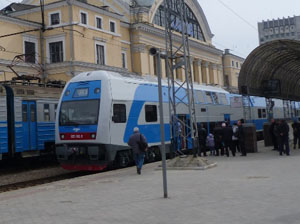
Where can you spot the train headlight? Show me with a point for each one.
(93, 135)
(67, 93)
(62, 136)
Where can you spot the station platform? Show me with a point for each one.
(260, 188)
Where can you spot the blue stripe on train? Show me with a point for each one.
(146, 93)
(46, 133)
(3, 137)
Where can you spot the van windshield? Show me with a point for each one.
(79, 112)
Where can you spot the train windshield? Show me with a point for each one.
(79, 112)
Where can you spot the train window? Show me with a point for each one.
(223, 99)
(20, 91)
(200, 97)
(208, 97)
(55, 108)
(264, 114)
(32, 113)
(24, 112)
(259, 113)
(203, 109)
(215, 97)
(46, 112)
(119, 115)
(30, 92)
(151, 113)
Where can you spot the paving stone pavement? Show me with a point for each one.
(260, 188)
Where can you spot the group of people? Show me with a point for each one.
(279, 131)
(223, 139)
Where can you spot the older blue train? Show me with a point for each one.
(27, 118)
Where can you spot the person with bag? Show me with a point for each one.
(139, 146)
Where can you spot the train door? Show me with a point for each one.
(29, 125)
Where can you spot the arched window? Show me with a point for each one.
(194, 29)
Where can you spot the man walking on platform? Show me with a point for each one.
(138, 143)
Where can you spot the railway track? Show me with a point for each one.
(15, 185)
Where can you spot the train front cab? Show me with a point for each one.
(79, 144)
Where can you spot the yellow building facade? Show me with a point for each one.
(232, 67)
(84, 35)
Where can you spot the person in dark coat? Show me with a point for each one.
(218, 134)
(227, 139)
(241, 137)
(273, 132)
(202, 134)
(138, 154)
(283, 130)
(296, 133)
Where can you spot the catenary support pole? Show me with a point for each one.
(162, 125)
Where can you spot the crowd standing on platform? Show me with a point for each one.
(223, 140)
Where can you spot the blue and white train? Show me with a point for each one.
(98, 111)
(27, 119)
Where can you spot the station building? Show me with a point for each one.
(84, 35)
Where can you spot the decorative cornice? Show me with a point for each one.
(21, 22)
(84, 65)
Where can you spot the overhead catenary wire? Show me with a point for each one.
(235, 13)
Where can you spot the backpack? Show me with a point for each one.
(142, 145)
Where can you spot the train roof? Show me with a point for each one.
(133, 78)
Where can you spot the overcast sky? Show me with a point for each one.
(234, 22)
(240, 34)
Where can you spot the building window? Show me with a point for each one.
(46, 112)
(100, 54)
(112, 26)
(56, 52)
(232, 63)
(83, 18)
(119, 115)
(124, 60)
(29, 52)
(193, 28)
(54, 18)
(237, 64)
(151, 113)
(99, 22)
